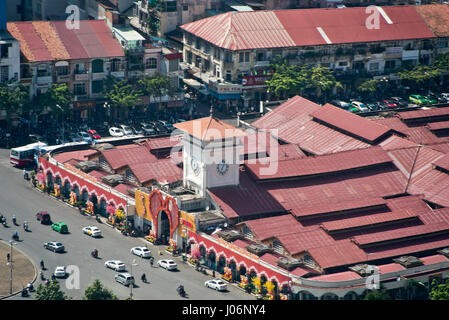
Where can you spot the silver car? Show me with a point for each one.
(124, 278)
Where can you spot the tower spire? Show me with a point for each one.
(211, 110)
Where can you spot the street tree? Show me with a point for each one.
(368, 88)
(439, 290)
(381, 294)
(98, 292)
(12, 98)
(156, 86)
(122, 96)
(420, 76)
(52, 291)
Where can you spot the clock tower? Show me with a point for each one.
(211, 153)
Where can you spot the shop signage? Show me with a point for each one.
(225, 88)
(83, 104)
(250, 81)
(237, 249)
(186, 223)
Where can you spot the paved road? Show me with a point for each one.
(17, 197)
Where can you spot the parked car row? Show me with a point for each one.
(356, 106)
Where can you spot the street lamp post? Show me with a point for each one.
(10, 266)
(133, 263)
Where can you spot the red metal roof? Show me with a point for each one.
(305, 27)
(393, 123)
(389, 268)
(80, 155)
(325, 164)
(442, 125)
(422, 114)
(273, 226)
(368, 220)
(163, 143)
(341, 253)
(161, 171)
(292, 122)
(364, 203)
(443, 162)
(52, 40)
(433, 259)
(400, 233)
(350, 123)
(302, 241)
(132, 154)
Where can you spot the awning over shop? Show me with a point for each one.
(193, 83)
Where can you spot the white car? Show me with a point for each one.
(126, 130)
(116, 265)
(167, 264)
(143, 252)
(116, 132)
(84, 136)
(92, 231)
(216, 284)
(60, 272)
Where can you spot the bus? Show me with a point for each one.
(22, 156)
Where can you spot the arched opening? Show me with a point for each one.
(58, 181)
(84, 196)
(306, 295)
(76, 190)
(221, 264)
(329, 296)
(242, 271)
(202, 251)
(212, 260)
(164, 227)
(263, 280)
(351, 295)
(66, 189)
(234, 273)
(251, 276)
(49, 181)
(93, 198)
(102, 208)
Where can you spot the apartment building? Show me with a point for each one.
(170, 14)
(231, 53)
(82, 58)
(9, 51)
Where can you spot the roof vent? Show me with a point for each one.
(103, 146)
(288, 263)
(230, 235)
(408, 261)
(86, 166)
(258, 248)
(444, 252)
(113, 179)
(363, 269)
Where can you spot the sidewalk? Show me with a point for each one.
(23, 272)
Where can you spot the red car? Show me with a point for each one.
(94, 134)
(43, 217)
(390, 103)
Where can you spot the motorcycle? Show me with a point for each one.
(42, 276)
(30, 287)
(14, 220)
(15, 236)
(25, 226)
(24, 292)
(144, 278)
(181, 291)
(94, 253)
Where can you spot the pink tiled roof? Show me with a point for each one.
(80, 155)
(390, 267)
(340, 276)
(52, 40)
(305, 27)
(302, 241)
(433, 259)
(163, 143)
(131, 154)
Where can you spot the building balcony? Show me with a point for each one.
(63, 78)
(81, 77)
(44, 79)
(118, 74)
(98, 76)
(263, 63)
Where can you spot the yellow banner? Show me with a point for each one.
(186, 223)
(143, 205)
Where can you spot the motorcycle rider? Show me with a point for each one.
(42, 264)
(25, 225)
(181, 289)
(143, 278)
(95, 253)
(14, 219)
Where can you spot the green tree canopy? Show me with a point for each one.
(439, 290)
(98, 292)
(12, 98)
(289, 80)
(52, 291)
(420, 76)
(381, 294)
(122, 95)
(58, 98)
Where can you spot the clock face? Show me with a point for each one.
(222, 167)
(195, 166)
